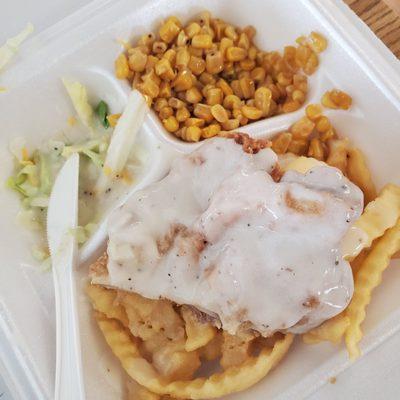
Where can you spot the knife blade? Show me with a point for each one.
(62, 217)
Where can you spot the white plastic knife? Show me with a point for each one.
(62, 217)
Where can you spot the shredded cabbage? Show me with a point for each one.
(10, 48)
(36, 169)
(79, 97)
(82, 233)
(125, 133)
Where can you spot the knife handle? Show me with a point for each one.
(69, 378)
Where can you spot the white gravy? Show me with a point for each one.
(220, 234)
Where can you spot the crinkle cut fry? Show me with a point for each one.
(331, 330)
(367, 279)
(105, 301)
(232, 380)
(358, 173)
(379, 215)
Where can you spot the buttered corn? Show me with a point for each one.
(208, 75)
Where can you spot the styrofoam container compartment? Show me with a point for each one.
(84, 47)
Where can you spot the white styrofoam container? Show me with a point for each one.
(84, 46)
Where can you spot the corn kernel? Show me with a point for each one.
(176, 103)
(194, 122)
(230, 33)
(183, 80)
(194, 51)
(151, 62)
(224, 45)
(312, 64)
(146, 40)
(276, 93)
(164, 70)
(231, 124)
(211, 131)
(170, 55)
(165, 90)
(281, 143)
(182, 114)
(285, 78)
(250, 31)
(113, 119)
(182, 57)
(150, 88)
(192, 29)
(207, 30)
(219, 28)
(258, 74)
(318, 42)
(298, 146)
(244, 41)
(166, 112)
(229, 70)
(203, 111)
(336, 99)
(169, 30)
(137, 60)
(298, 96)
(237, 90)
(171, 124)
(251, 112)
(302, 129)
(323, 124)
(193, 95)
(290, 106)
(219, 113)
(181, 39)
(202, 41)
(206, 88)
(300, 82)
(262, 98)
(235, 54)
(247, 87)
(302, 55)
(232, 101)
(316, 149)
(207, 79)
(247, 64)
(224, 86)
(122, 67)
(204, 18)
(197, 65)
(329, 134)
(160, 103)
(289, 55)
(313, 112)
(193, 133)
(214, 96)
(214, 62)
(237, 114)
(159, 47)
(252, 53)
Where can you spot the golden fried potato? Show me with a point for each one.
(147, 317)
(106, 301)
(234, 379)
(235, 350)
(176, 364)
(213, 349)
(367, 279)
(331, 330)
(198, 333)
